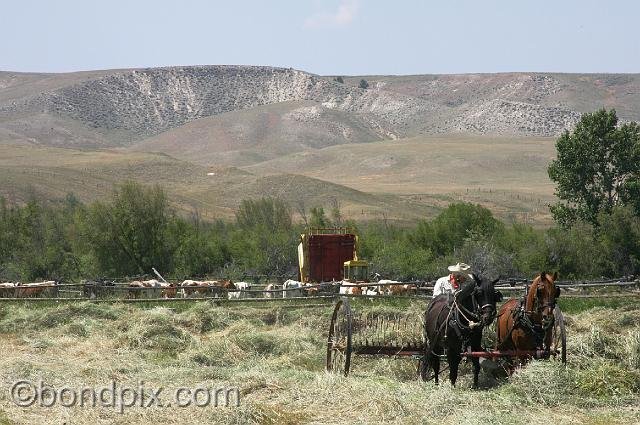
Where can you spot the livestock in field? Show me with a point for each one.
(372, 290)
(310, 290)
(190, 287)
(7, 289)
(31, 290)
(404, 289)
(267, 290)
(528, 326)
(241, 290)
(455, 322)
(392, 287)
(292, 288)
(135, 289)
(348, 288)
(169, 290)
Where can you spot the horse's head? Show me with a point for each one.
(486, 297)
(543, 295)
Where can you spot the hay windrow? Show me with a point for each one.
(276, 358)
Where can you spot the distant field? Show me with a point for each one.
(51, 173)
(401, 179)
(508, 175)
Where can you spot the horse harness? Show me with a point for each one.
(453, 320)
(522, 319)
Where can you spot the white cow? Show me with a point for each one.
(241, 288)
(267, 289)
(7, 289)
(348, 288)
(373, 290)
(294, 289)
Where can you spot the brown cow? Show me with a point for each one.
(169, 290)
(402, 289)
(31, 290)
(134, 292)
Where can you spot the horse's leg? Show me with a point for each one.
(476, 345)
(433, 361)
(453, 357)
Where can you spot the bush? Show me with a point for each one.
(453, 226)
(619, 237)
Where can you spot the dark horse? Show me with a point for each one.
(526, 326)
(455, 322)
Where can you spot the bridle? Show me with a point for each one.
(476, 317)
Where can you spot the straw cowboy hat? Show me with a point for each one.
(460, 268)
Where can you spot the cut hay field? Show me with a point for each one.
(276, 358)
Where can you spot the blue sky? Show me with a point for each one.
(329, 37)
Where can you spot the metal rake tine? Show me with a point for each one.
(385, 331)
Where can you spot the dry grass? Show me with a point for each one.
(276, 357)
(404, 180)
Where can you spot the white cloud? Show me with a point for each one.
(347, 10)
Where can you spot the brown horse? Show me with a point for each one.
(528, 327)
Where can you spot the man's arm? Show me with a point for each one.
(437, 288)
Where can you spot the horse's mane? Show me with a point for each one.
(466, 290)
(531, 292)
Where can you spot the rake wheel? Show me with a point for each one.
(339, 343)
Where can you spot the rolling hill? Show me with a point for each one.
(213, 135)
(28, 172)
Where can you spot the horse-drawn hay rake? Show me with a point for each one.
(353, 333)
(372, 334)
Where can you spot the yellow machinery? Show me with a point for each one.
(356, 271)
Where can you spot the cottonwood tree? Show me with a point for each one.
(128, 234)
(597, 168)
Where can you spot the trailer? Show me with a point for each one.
(326, 254)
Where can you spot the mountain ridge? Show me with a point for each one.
(127, 106)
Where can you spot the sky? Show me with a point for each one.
(326, 37)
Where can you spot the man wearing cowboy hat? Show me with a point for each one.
(450, 284)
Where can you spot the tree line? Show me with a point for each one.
(137, 229)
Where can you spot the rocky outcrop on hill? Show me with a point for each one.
(517, 118)
(122, 107)
(149, 101)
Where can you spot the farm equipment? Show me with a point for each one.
(330, 254)
(352, 334)
(370, 335)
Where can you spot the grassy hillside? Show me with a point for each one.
(404, 148)
(508, 175)
(216, 192)
(121, 107)
(578, 92)
(404, 179)
(257, 134)
(276, 358)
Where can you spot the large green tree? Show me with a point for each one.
(597, 168)
(453, 225)
(129, 235)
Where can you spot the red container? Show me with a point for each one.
(327, 254)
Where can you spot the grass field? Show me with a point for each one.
(276, 358)
(402, 180)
